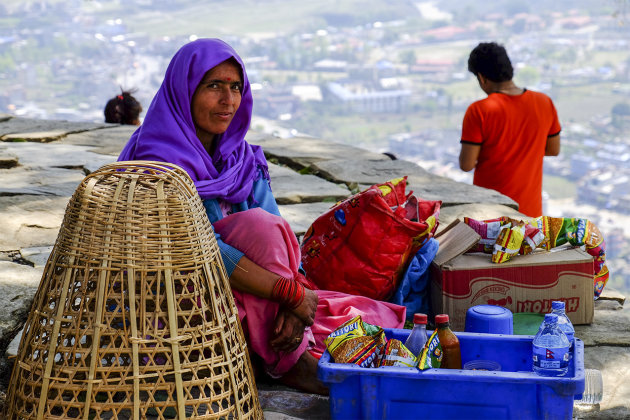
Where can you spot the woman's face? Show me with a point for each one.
(216, 100)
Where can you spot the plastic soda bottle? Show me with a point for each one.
(451, 353)
(418, 336)
(550, 349)
(557, 307)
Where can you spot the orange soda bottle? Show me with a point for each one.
(451, 354)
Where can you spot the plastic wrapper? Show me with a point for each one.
(396, 354)
(508, 242)
(578, 232)
(431, 355)
(488, 230)
(357, 342)
(542, 232)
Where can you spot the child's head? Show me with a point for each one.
(123, 109)
(491, 61)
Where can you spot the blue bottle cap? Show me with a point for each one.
(551, 318)
(557, 304)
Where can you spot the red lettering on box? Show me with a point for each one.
(543, 306)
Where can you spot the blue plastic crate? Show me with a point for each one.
(515, 392)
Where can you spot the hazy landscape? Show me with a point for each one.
(389, 76)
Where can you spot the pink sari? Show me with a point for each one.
(268, 240)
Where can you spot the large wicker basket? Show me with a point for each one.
(134, 317)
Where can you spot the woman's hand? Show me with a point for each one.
(249, 277)
(306, 310)
(288, 331)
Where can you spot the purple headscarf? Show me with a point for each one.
(168, 133)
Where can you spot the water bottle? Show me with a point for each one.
(418, 337)
(557, 307)
(550, 349)
(593, 390)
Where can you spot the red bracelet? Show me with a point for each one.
(288, 292)
(301, 278)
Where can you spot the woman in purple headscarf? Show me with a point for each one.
(198, 120)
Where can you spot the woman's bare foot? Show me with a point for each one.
(303, 376)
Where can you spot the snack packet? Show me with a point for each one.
(532, 239)
(578, 232)
(373, 354)
(370, 356)
(396, 354)
(488, 230)
(349, 329)
(508, 242)
(350, 343)
(542, 232)
(431, 355)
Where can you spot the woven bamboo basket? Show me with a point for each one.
(134, 317)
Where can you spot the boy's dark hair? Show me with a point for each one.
(123, 109)
(491, 61)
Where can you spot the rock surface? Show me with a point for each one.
(42, 162)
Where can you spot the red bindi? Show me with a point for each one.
(229, 78)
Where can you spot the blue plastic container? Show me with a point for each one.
(490, 319)
(515, 392)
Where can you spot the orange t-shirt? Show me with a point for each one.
(512, 132)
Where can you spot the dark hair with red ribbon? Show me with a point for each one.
(123, 109)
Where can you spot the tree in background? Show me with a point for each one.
(408, 57)
(528, 76)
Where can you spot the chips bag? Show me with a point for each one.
(578, 232)
(357, 342)
(371, 355)
(508, 242)
(542, 232)
(431, 355)
(488, 230)
(396, 354)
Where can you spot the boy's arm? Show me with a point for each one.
(468, 156)
(553, 145)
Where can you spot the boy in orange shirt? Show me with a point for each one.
(506, 135)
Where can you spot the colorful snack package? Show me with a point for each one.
(370, 357)
(533, 238)
(431, 355)
(595, 245)
(351, 349)
(589, 236)
(396, 354)
(508, 242)
(372, 354)
(600, 279)
(488, 230)
(350, 343)
(543, 232)
(373, 330)
(349, 329)
(558, 230)
(379, 337)
(578, 232)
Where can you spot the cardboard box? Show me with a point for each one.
(526, 283)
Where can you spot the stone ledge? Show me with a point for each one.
(41, 130)
(31, 222)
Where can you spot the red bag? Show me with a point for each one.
(363, 244)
